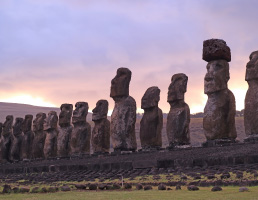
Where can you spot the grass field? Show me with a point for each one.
(229, 193)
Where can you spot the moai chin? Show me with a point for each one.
(28, 137)
(178, 118)
(50, 126)
(219, 112)
(123, 117)
(101, 132)
(39, 136)
(65, 130)
(6, 139)
(251, 98)
(152, 121)
(17, 137)
(81, 133)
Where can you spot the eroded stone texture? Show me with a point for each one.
(81, 134)
(50, 126)
(251, 99)
(28, 137)
(6, 138)
(215, 49)
(152, 121)
(220, 109)
(65, 130)
(17, 138)
(39, 136)
(178, 118)
(101, 132)
(123, 117)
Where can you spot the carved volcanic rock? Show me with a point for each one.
(39, 136)
(81, 134)
(219, 116)
(17, 138)
(101, 132)
(50, 126)
(152, 121)
(215, 49)
(251, 99)
(65, 130)
(6, 138)
(27, 138)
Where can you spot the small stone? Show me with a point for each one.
(139, 187)
(128, 186)
(65, 188)
(243, 189)
(80, 186)
(24, 190)
(116, 186)
(178, 187)
(161, 187)
(192, 188)
(93, 186)
(102, 186)
(147, 187)
(216, 188)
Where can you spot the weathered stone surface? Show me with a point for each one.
(101, 132)
(81, 134)
(39, 136)
(17, 138)
(152, 121)
(178, 118)
(215, 49)
(50, 126)
(65, 130)
(28, 137)
(220, 109)
(123, 117)
(251, 98)
(6, 139)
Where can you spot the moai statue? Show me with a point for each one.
(81, 134)
(251, 99)
(28, 137)
(219, 112)
(50, 126)
(6, 138)
(1, 142)
(65, 130)
(178, 118)
(123, 117)
(39, 136)
(152, 120)
(101, 132)
(17, 137)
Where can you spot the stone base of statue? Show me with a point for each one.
(219, 142)
(251, 139)
(175, 146)
(150, 149)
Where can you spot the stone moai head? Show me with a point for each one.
(100, 111)
(39, 122)
(120, 84)
(27, 122)
(17, 127)
(51, 121)
(80, 113)
(252, 67)
(150, 98)
(65, 114)
(177, 87)
(8, 124)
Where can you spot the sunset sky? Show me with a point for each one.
(64, 51)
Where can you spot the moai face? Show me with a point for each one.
(217, 76)
(252, 67)
(7, 127)
(17, 127)
(38, 122)
(100, 111)
(177, 88)
(80, 113)
(150, 98)
(51, 121)
(65, 114)
(27, 122)
(120, 84)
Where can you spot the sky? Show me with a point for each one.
(62, 51)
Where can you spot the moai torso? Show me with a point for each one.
(178, 118)
(251, 98)
(81, 133)
(7, 138)
(152, 120)
(28, 137)
(123, 117)
(50, 126)
(100, 139)
(65, 130)
(17, 138)
(39, 136)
